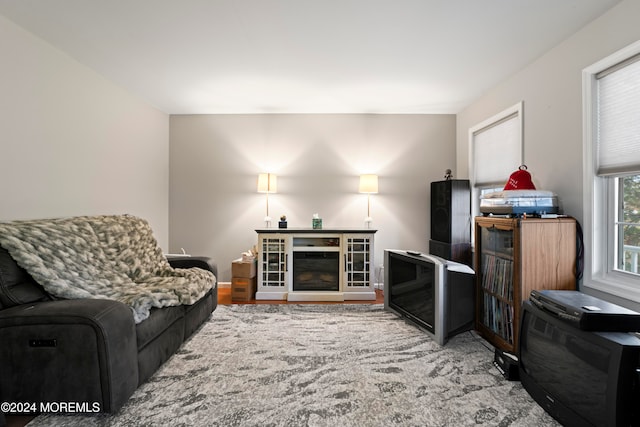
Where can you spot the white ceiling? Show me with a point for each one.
(305, 56)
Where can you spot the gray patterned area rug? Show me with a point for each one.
(322, 365)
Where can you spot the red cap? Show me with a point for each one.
(520, 180)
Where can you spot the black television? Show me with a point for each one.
(581, 378)
(433, 293)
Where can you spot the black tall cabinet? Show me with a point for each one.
(451, 220)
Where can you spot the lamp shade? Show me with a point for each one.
(267, 183)
(368, 184)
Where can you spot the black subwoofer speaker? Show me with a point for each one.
(451, 220)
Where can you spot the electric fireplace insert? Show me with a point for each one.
(316, 264)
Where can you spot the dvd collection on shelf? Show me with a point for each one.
(497, 276)
(498, 316)
(497, 285)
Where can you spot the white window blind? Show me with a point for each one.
(497, 148)
(618, 118)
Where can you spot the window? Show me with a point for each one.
(611, 97)
(495, 152)
(627, 225)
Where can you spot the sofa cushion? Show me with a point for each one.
(16, 285)
(158, 351)
(158, 321)
(196, 314)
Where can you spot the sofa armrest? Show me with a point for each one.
(81, 351)
(202, 262)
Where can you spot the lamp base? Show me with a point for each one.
(367, 222)
(267, 221)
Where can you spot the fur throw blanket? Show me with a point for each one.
(103, 257)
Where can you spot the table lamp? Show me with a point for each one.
(368, 186)
(267, 183)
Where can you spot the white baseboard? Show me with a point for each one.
(378, 286)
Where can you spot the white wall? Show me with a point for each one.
(551, 89)
(215, 161)
(72, 143)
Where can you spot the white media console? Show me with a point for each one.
(305, 264)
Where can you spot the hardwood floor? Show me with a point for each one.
(224, 298)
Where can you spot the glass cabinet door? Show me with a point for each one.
(274, 262)
(358, 252)
(497, 281)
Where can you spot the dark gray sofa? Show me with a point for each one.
(86, 351)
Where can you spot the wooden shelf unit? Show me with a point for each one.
(513, 257)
